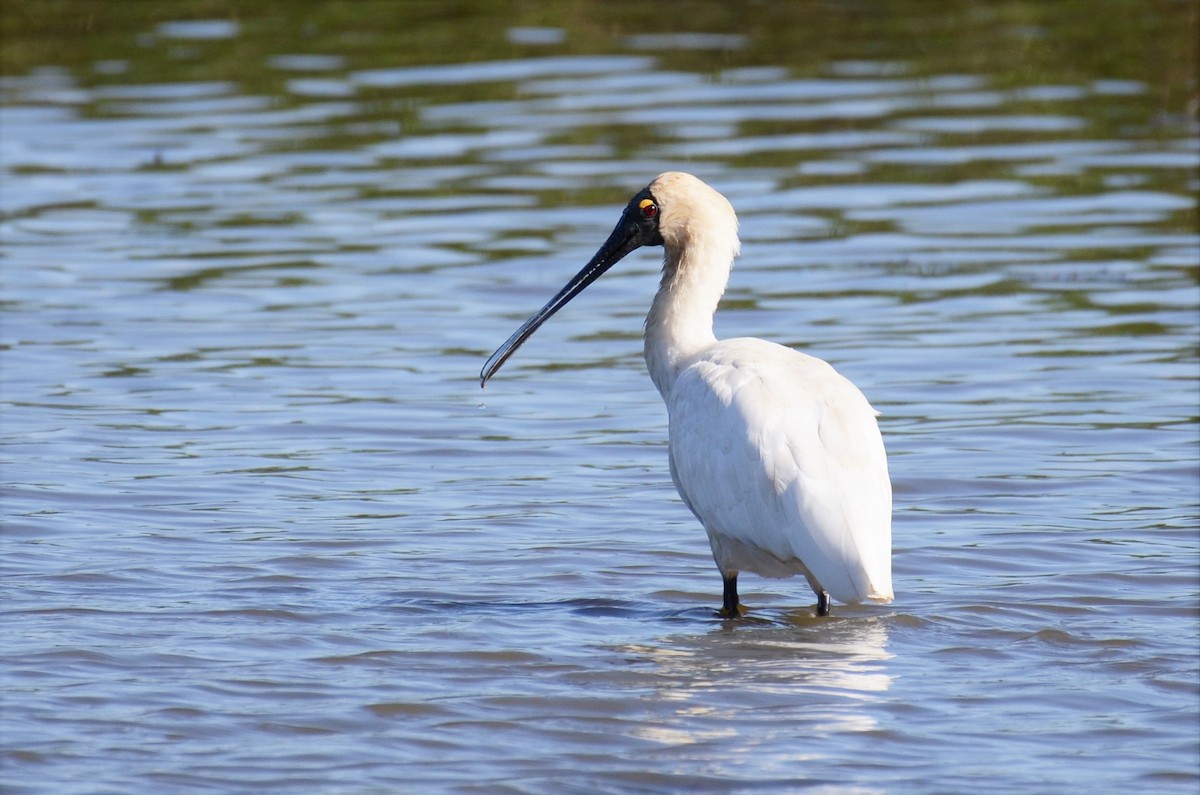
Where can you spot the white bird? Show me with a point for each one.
(778, 455)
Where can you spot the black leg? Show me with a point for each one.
(822, 604)
(731, 608)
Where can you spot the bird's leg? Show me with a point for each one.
(731, 608)
(822, 603)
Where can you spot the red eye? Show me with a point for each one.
(649, 208)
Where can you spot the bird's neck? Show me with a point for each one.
(680, 322)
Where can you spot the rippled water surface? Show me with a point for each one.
(264, 533)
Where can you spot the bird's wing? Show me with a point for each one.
(778, 451)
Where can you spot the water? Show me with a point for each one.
(263, 532)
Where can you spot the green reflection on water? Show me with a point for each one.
(1146, 49)
(1017, 43)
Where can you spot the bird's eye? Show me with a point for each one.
(648, 207)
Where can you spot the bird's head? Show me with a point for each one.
(676, 210)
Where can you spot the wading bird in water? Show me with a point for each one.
(777, 454)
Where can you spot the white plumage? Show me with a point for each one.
(781, 460)
(777, 454)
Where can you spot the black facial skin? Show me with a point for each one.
(645, 218)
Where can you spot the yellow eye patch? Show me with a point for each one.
(648, 207)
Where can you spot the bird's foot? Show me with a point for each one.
(736, 611)
(823, 604)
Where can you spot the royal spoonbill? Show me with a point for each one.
(777, 454)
